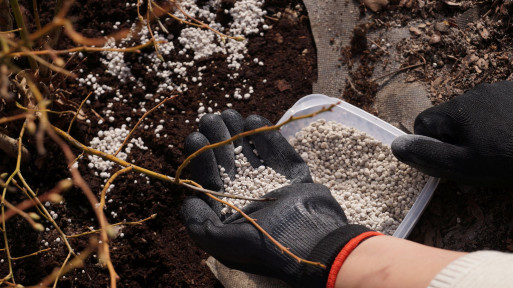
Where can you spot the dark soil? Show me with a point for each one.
(159, 252)
(453, 46)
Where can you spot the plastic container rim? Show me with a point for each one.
(319, 100)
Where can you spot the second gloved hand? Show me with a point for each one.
(469, 138)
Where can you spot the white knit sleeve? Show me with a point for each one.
(477, 269)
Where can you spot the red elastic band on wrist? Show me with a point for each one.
(342, 256)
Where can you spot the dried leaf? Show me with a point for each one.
(282, 85)
(375, 5)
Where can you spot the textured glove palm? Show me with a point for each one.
(469, 138)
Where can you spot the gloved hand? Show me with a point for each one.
(304, 217)
(469, 138)
(272, 148)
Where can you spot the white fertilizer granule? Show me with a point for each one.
(373, 188)
(249, 181)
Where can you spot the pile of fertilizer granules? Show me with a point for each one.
(373, 188)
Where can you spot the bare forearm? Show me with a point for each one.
(386, 261)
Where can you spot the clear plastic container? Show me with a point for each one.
(354, 117)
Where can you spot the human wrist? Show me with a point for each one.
(393, 262)
(344, 253)
(327, 250)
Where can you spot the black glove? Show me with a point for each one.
(304, 217)
(469, 138)
(272, 148)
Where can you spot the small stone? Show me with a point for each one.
(435, 39)
(415, 31)
(484, 34)
(482, 64)
(442, 26)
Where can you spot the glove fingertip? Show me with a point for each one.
(406, 149)
(431, 156)
(194, 142)
(255, 121)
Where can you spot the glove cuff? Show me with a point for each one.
(328, 249)
(342, 256)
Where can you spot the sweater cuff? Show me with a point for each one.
(459, 268)
(344, 253)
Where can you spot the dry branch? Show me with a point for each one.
(139, 122)
(245, 134)
(10, 147)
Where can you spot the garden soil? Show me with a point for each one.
(159, 253)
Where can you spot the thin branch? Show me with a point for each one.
(2, 208)
(76, 159)
(43, 208)
(80, 182)
(136, 49)
(13, 118)
(78, 111)
(10, 31)
(139, 122)
(61, 270)
(281, 247)
(113, 225)
(48, 64)
(31, 254)
(43, 110)
(398, 71)
(10, 147)
(15, 6)
(151, 32)
(26, 204)
(196, 187)
(109, 182)
(77, 261)
(245, 134)
(109, 157)
(36, 226)
(36, 14)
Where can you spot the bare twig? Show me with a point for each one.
(10, 31)
(15, 6)
(399, 70)
(36, 14)
(2, 207)
(139, 122)
(37, 226)
(151, 32)
(109, 182)
(153, 216)
(43, 110)
(200, 25)
(13, 118)
(78, 111)
(76, 262)
(245, 134)
(166, 178)
(136, 49)
(32, 254)
(80, 182)
(10, 147)
(262, 230)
